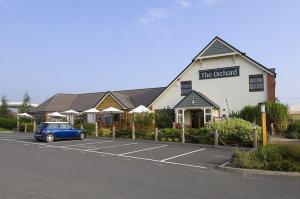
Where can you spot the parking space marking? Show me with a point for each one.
(85, 143)
(112, 154)
(147, 149)
(107, 147)
(173, 157)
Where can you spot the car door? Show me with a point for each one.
(68, 130)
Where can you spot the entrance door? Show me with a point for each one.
(197, 118)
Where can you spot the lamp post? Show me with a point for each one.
(263, 124)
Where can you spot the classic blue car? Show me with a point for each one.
(50, 131)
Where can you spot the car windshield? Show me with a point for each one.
(43, 125)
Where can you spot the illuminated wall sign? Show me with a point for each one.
(219, 72)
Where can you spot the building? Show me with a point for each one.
(219, 80)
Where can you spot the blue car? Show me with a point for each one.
(50, 131)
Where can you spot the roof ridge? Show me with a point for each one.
(138, 89)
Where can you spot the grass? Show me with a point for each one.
(4, 130)
(275, 157)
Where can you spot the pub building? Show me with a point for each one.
(219, 80)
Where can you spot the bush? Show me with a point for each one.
(164, 118)
(90, 128)
(124, 133)
(169, 134)
(202, 136)
(29, 127)
(277, 113)
(279, 157)
(105, 132)
(293, 130)
(235, 131)
(144, 121)
(8, 123)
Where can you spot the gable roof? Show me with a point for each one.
(219, 47)
(196, 99)
(81, 102)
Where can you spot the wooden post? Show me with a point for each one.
(18, 125)
(81, 126)
(182, 134)
(272, 129)
(174, 125)
(156, 134)
(25, 128)
(264, 128)
(34, 126)
(133, 131)
(216, 138)
(96, 129)
(113, 132)
(254, 136)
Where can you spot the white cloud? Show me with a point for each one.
(154, 15)
(183, 3)
(210, 2)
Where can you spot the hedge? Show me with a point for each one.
(8, 123)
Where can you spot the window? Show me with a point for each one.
(208, 115)
(256, 83)
(186, 87)
(65, 126)
(179, 116)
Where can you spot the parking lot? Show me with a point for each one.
(105, 168)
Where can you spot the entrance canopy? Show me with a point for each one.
(196, 99)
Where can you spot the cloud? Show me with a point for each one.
(3, 4)
(210, 2)
(183, 3)
(154, 15)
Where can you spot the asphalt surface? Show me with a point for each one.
(102, 168)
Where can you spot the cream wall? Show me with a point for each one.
(235, 89)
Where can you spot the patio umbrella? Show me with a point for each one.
(140, 109)
(26, 116)
(112, 111)
(55, 114)
(93, 111)
(70, 114)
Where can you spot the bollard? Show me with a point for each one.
(216, 138)
(156, 134)
(34, 126)
(133, 132)
(254, 137)
(96, 129)
(25, 128)
(113, 132)
(182, 134)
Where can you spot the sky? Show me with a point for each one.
(77, 46)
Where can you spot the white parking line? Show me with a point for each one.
(147, 149)
(111, 154)
(84, 143)
(107, 147)
(164, 160)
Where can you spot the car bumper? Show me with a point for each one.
(39, 136)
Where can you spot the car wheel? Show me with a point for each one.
(81, 136)
(49, 138)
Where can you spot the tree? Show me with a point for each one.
(4, 111)
(26, 106)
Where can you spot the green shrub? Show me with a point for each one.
(279, 157)
(164, 118)
(8, 123)
(144, 121)
(124, 133)
(105, 132)
(202, 136)
(293, 130)
(277, 113)
(169, 134)
(90, 128)
(29, 127)
(235, 131)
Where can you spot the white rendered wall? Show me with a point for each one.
(234, 89)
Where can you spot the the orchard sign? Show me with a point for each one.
(219, 72)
